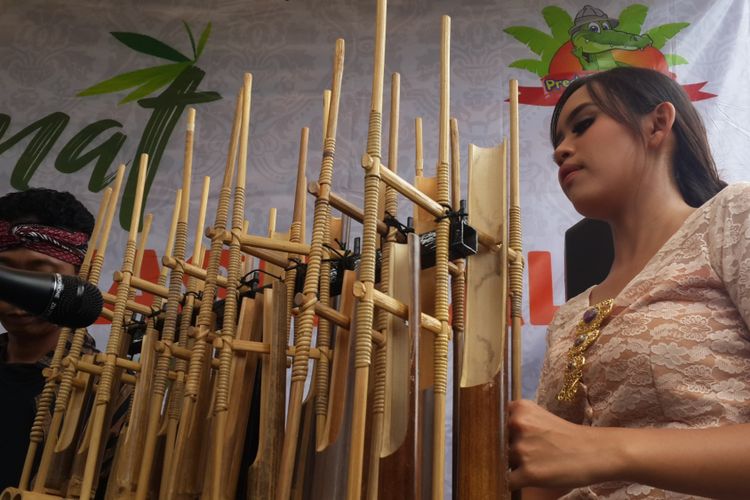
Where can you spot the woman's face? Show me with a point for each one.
(598, 157)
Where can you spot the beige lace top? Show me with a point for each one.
(676, 351)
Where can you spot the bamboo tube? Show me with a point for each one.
(48, 392)
(159, 383)
(304, 322)
(365, 311)
(68, 375)
(382, 317)
(125, 469)
(103, 392)
(322, 368)
(130, 305)
(458, 301)
(230, 303)
(180, 367)
(419, 155)
(441, 258)
(514, 241)
(297, 227)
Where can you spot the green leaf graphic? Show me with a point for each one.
(149, 45)
(159, 81)
(203, 39)
(132, 79)
(559, 23)
(674, 59)
(192, 40)
(539, 42)
(532, 65)
(632, 18)
(661, 34)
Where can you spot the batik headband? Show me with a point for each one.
(68, 246)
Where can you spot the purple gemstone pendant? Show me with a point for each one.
(590, 315)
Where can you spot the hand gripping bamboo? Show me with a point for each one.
(51, 384)
(304, 322)
(74, 354)
(170, 319)
(365, 310)
(106, 380)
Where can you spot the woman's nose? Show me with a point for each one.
(562, 152)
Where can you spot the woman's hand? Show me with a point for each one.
(549, 452)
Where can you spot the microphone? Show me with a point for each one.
(60, 299)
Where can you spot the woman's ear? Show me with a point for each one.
(658, 124)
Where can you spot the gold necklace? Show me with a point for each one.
(587, 332)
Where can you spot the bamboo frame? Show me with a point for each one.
(365, 311)
(50, 386)
(106, 380)
(303, 331)
(229, 324)
(69, 373)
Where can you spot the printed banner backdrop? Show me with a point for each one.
(68, 117)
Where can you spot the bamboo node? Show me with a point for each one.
(367, 161)
(305, 301)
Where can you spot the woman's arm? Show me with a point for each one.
(550, 452)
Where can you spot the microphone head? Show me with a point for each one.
(79, 305)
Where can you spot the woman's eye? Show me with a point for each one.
(581, 126)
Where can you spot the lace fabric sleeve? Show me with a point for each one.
(729, 245)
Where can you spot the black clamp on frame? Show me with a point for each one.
(464, 240)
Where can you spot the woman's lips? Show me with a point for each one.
(566, 173)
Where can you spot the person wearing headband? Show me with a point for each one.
(40, 230)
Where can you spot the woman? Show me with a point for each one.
(645, 388)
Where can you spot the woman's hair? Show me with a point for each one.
(628, 93)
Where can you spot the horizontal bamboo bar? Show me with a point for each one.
(192, 270)
(131, 305)
(335, 317)
(94, 369)
(179, 352)
(263, 348)
(143, 285)
(275, 257)
(47, 372)
(396, 307)
(262, 242)
(345, 207)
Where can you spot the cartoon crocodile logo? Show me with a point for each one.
(594, 36)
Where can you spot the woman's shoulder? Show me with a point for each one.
(734, 195)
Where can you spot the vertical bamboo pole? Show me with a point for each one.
(106, 379)
(514, 240)
(304, 321)
(297, 229)
(68, 374)
(383, 317)
(364, 318)
(458, 302)
(170, 318)
(229, 324)
(441, 269)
